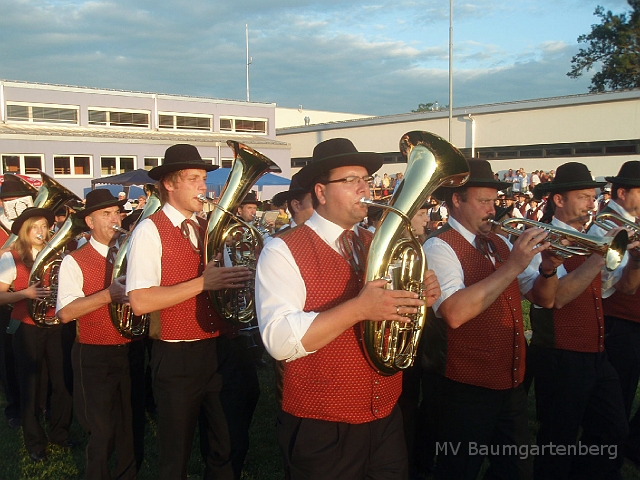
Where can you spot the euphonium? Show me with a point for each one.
(432, 162)
(612, 248)
(237, 306)
(45, 270)
(122, 316)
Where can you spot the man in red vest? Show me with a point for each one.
(339, 417)
(100, 356)
(575, 384)
(166, 276)
(622, 311)
(474, 345)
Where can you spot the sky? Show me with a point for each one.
(374, 58)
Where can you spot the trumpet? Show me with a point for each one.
(612, 248)
(608, 221)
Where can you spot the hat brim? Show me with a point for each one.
(626, 181)
(156, 173)
(497, 184)
(30, 213)
(286, 196)
(369, 160)
(25, 193)
(540, 190)
(99, 206)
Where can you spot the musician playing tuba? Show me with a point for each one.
(34, 346)
(337, 410)
(474, 346)
(166, 276)
(100, 355)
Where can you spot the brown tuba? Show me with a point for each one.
(237, 306)
(126, 322)
(432, 162)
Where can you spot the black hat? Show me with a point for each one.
(180, 157)
(334, 153)
(251, 197)
(13, 186)
(480, 175)
(97, 200)
(569, 176)
(29, 213)
(294, 190)
(629, 175)
(130, 219)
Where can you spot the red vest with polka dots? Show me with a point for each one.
(20, 283)
(336, 383)
(4, 236)
(489, 350)
(579, 325)
(96, 328)
(193, 319)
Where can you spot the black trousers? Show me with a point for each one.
(8, 379)
(102, 401)
(473, 423)
(34, 346)
(573, 390)
(319, 450)
(185, 380)
(138, 397)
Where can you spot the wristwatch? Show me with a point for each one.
(547, 275)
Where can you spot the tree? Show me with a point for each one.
(431, 106)
(614, 45)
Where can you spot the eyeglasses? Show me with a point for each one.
(350, 180)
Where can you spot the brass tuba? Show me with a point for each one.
(237, 306)
(612, 248)
(432, 162)
(122, 317)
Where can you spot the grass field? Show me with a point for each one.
(263, 460)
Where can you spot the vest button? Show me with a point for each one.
(517, 358)
(377, 397)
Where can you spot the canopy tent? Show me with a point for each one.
(217, 179)
(134, 191)
(138, 177)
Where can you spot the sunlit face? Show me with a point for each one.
(38, 233)
(476, 212)
(183, 193)
(573, 207)
(419, 221)
(101, 223)
(340, 202)
(247, 211)
(629, 199)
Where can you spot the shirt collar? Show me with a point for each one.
(175, 217)
(326, 229)
(457, 226)
(101, 248)
(560, 224)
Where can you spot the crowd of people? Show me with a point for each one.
(463, 401)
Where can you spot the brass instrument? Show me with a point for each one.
(236, 306)
(608, 221)
(432, 162)
(612, 248)
(126, 322)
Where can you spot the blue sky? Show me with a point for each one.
(373, 58)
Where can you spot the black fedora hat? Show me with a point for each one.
(252, 198)
(97, 200)
(480, 175)
(131, 219)
(569, 176)
(180, 157)
(295, 189)
(30, 213)
(12, 187)
(629, 175)
(334, 153)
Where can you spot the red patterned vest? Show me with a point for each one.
(193, 319)
(4, 236)
(489, 350)
(336, 383)
(619, 304)
(20, 283)
(95, 328)
(579, 325)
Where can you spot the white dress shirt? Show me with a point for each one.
(8, 271)
(442, 259)
(281, 293)
(71, 279)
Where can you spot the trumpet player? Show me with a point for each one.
(575, 384)
(621, 310)
(339, 417)
(474, 355)
(166, 275)
(100, 355)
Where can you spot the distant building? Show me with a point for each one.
(75, 134)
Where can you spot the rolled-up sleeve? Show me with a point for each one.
(70, 282)
(144, 254)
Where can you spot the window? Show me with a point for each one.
(243, 125)
(184, 122)
(23, 164)
(150, 162)
(226, 162)
(72, 165)
(42, 113)
(116, 165)
(119, 118)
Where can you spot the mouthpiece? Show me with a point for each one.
(39, 237)
(119, 230)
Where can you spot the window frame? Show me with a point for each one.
(31, 105)
(175, 127)
(109, 111)
(118, 168)
(235, 130)
(72, 166)
(21, 163)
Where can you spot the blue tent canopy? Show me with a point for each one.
(217, 178)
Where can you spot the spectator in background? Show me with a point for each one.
(127, 205)
(386, 183)
(142, 201)
(399, 177)
(535, 179)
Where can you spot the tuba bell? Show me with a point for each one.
(122, 316)
(237, 305)
(432, 162)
